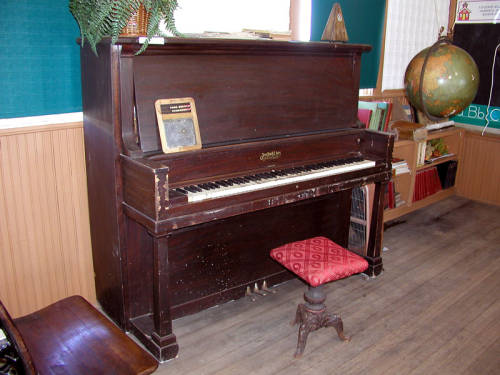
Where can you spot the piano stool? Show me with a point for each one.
(317, 261)
(72, 337)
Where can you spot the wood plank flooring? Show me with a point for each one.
(434, 310)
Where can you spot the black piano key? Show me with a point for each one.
(267, 175)
(204, 186)
(190, 189)
(222, 183)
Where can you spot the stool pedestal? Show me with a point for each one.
(313, 315)
(317, 261)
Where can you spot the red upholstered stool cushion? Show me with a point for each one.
(319, 260)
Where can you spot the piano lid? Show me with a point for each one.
(247, 90)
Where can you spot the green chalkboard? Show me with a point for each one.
(364, 20)
(40, 59)
(480, 41)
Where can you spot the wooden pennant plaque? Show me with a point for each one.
(335, 30)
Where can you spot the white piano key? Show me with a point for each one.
(247, 187)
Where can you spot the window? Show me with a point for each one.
(198, 16)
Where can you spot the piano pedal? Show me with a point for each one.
(258, 291)
(250, 295)
(266, 289)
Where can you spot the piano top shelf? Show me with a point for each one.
(130, 46)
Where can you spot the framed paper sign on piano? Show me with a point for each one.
(178, 124)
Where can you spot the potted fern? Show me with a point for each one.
(110, 18)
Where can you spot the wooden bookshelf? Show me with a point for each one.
(405, 183)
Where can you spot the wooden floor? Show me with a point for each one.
(434, 310)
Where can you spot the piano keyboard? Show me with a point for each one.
(266, 180)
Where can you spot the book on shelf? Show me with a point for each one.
(371, 106)
(427, 183)
(385, 113)
(399, 166)
(421, 147)
(437, 158)
(447, 173)
(387, 117)
(365, 115)
(398, 202)
(440, 125)
(397, 161)
(392, 198)
(380, 114)
(432, 124)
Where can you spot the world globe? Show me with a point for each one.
(450, 81)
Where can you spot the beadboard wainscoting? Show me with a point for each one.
(45, 247)
(480, 169)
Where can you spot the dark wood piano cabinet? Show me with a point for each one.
(157, 254)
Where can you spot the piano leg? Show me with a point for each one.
(162, 334)
(373, 253)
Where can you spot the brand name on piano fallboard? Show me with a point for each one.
(271, 155)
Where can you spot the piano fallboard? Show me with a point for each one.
(189, 214)
(150, 184)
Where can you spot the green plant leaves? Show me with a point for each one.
(101, 18)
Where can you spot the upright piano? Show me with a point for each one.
(281, 151)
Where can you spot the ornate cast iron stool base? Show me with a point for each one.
(317, 261)
(313, 315)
